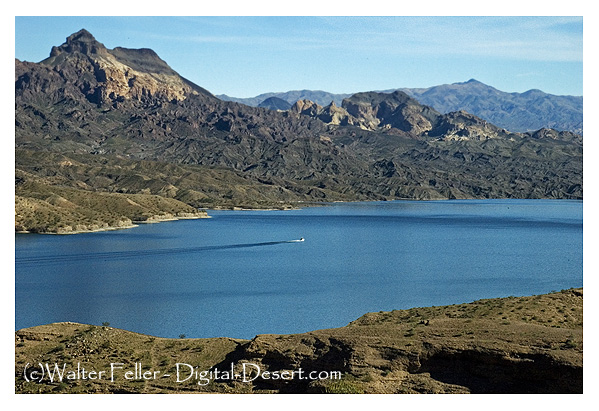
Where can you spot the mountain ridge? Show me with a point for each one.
(121, 109)
(518, 112)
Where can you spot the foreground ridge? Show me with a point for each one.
(503, 345)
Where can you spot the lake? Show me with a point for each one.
(238, 273)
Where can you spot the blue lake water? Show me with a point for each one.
(237, 275)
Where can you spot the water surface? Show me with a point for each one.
(239, 274)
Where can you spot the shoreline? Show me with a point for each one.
(577, 290)
(134, 224)
(517, 345)
(301, 205)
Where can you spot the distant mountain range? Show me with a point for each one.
(519, 112)
(105, 136)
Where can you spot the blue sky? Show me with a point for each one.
(246, 56)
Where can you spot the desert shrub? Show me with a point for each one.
(342, 387)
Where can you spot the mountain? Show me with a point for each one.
(91, 121)
(112, 76)
(519, 112)
(275, 103)
(527, 111)
(398, 113)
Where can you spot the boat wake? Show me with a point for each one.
(118, 255)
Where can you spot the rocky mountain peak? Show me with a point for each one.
(115, 76)
(83, 42)
(81, 36)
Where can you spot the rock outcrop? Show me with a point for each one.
(396, 110)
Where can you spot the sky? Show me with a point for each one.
(250, 55)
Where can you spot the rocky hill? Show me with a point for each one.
(275, 103)
(122, 121)
(507, 345)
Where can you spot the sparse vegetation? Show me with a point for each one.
(342, 387)
(570, 344)
(43, 208)
(383, 352)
